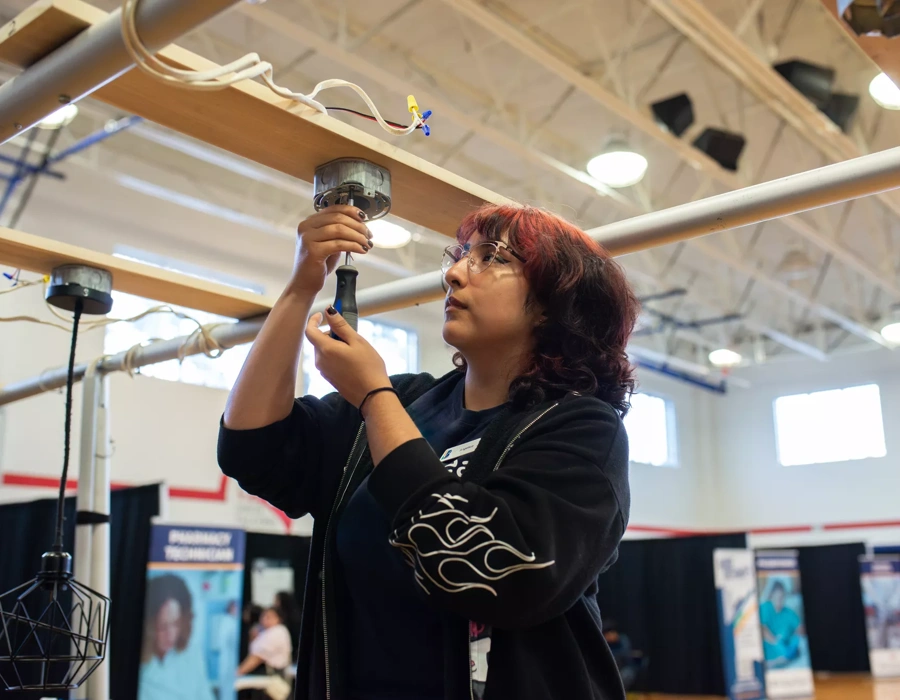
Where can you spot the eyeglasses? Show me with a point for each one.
(479, 257)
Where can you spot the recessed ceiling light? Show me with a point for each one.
(891, 332)
(60, 118)
(885, 92)
(386, 234)
(723, 357)
(618, 166)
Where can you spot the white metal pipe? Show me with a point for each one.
(92, 59)
(832, 184)
(84, 501)
(98, 683)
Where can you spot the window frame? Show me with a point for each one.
(813, 392)
(672, 446)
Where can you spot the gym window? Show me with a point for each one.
(838, 425)
(398, 347)
(650, 425)
(217, 373)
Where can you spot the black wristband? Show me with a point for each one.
(372, 393)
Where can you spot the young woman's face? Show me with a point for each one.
(485, 312)
(168, 624)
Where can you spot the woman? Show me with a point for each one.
(168, 669)
(271, 647)
(471, 574)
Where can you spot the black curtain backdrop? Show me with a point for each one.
(832, 605)
(26, 532)
(661, 593)
(288, 548)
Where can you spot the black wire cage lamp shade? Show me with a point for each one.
(53, 629)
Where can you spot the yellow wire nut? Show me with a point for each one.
(412, 105)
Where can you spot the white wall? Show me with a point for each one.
(764, 494)
(676, 497)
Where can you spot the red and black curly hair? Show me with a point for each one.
(589, 306)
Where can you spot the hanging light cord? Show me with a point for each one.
(70, 380)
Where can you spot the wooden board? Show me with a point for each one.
(835, 687)
(251, 121)
(884, 52)
(41, 255)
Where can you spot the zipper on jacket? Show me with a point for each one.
(519, 434)
(334, 507)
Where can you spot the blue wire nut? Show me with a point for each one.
(425, 128)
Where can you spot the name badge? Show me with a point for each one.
(460, 450)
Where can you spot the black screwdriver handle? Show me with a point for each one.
(345, 296)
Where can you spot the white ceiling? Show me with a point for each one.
(506, 112)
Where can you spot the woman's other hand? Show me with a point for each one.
(351, 365)
(322, 239)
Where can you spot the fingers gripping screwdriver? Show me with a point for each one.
(361, 184)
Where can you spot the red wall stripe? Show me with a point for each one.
(218, 494)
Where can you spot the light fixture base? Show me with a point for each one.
(92, 285)
(345, 179)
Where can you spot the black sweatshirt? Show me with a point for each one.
(511, 549)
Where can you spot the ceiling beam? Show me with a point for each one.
(295, 139)
(331, 50)
(726, 50)
(369, 69)
(826, 312)
(641, 120)
(780, 337)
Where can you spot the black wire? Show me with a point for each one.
(368, 116)
(70, 380)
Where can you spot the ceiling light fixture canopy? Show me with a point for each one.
(725, 357)
(618, 165)
(387, 234)
(885, 92)
(60, 118)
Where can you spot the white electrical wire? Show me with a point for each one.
(246, 68)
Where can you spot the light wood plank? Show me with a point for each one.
(251, 121)
(885, 53)
(41, 255)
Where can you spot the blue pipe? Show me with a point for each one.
(96, 137)
(49, 173)
(720, 388)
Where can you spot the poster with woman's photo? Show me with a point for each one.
(785, 646)
(880, 578)
(191, 614)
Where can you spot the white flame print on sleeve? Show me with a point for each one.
(448, 536)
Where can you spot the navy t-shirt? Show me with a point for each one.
(395, 637)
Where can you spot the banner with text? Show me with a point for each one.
(742, 654)
(192, 613)
(785, 646)
(880, 577)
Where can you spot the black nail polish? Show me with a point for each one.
(362, 215)
(331, 311)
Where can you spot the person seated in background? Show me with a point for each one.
(780, 625)
(620, 646)
(271, 647)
